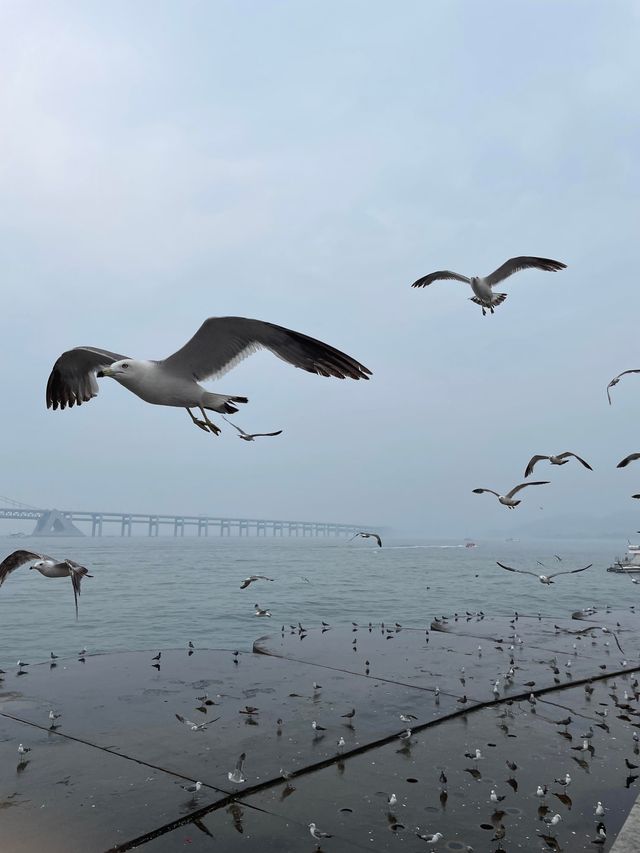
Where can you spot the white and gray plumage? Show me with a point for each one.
(507, 500)
(195, 727)
(192, 789)
(315, 832)
(547, 579)
(482, 286)
(252, 579)
(218, 345)
(236, 775)
(559, 459)
(627, 459)
(48, 567)
(250, 436)
(364, 535)
(430, 839)
(259, 611)
(617, 379)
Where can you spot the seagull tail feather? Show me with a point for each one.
(222, 403)
(498, 299)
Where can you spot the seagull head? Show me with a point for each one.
(122, 370)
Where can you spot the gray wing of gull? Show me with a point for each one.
(367, 535)
(72, 380)
(184, 720)
(575, 456)
(572, 572)
(247, 581)
(76, 572)
(261, 434)
(523, 262)
(241, 431)
(627, 459)
(480, 491)
(222, 342)
(240, 762)
(516, 489)
(532, 463)
(17, 559)
(518, 571)
(441, 275)
(617, 379)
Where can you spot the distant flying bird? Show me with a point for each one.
(218, 345)
(560, 459)
(260, 611)
(48, 567)
(627, 459)
(617, 379)
(195, 727)
(250, 436)
(507, 500)
(364, 535)
(547, 579)
(252, 578)
(482, 286)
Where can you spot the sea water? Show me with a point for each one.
(153, 593)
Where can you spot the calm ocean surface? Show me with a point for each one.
(155, 593)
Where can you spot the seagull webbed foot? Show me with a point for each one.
(215, 430)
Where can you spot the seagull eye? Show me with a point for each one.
(125, 365)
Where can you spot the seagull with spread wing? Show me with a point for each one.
(252, 579)
(547, 579)
(560, 459)
(218, 345)
(250, 436)
(364, 535)
(482, 286)
(507, 500)
(48, 567)
(627, 459)
(617, 379)
(195, 727)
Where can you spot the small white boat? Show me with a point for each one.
(629, 563)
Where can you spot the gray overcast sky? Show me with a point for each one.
(161, 162)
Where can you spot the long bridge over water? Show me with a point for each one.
(54, 522)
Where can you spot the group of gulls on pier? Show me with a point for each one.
(215, 349)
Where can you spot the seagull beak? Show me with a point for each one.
(106, 371)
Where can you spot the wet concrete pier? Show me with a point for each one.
(107, 775)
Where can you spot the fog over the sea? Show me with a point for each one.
(303, 163)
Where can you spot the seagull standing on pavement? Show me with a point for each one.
(316, 834)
